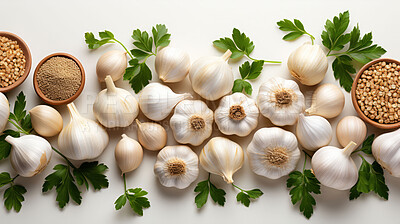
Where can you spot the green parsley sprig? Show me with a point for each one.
(295, 29)
(205, 188)
(138, 73)
(244, 196)
(13, 195)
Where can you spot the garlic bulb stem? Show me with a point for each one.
(110, 84)
(73, 111)
(227, 55)
(349, 148)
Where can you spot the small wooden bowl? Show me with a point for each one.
(354, 99)
(28, 57)
(58, 102)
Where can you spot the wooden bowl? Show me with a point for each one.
(354, 99)
(28, 57)
(58, 102)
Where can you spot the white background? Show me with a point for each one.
(55, 26)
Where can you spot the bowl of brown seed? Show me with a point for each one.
(59, 79)
(376, 93)
(15, 61)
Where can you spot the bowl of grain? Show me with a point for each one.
(15, 61)
(376, 93)
(59, 79)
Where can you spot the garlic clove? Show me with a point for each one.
(172, 64)
(351, 128)
(212, 77)
(176, 166)
(313, 132)
(4, 111)
(128, 154)
(46, 120)
(273, 152)
(112, 63)
(30, 154)
(223, 157)
(327, 101)
(151, 136)
(115, 107)
(157, 101)
(386, 150)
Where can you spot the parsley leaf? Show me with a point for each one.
(136, 200)
(302, 185)
(20, 116)
(139, 75)
(239, 45)
(244, 196)
(217, 195)
(93, 43)
(248, 72)
(5, 179)
(5, 147)
(13, 197)
(296, 29)
(206, 187)
(91, 172)
(333, 36)
(342, 68)
(367, 145)
(241, 84)
(161, 36)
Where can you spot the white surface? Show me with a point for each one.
(54, 26)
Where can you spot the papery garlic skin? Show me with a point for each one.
(151, 136)
(334, 167)
(112, 63)
(192, 122)
(4, 111)
(308, 64)
(157, 101)
(82, 138)
(236, 114)
(128, 154)
(172, 64)
(386, 150)
(176, 166)
(313, 132)
(280, 101)
(212, 77)
(273, 152)
(29, 154)
(115, 107)
(222, 157)
(351, 128)
(46, 120)
(327, 101)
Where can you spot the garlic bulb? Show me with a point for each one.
(212, 77)
(176, 166)
(236, 115)
(172, 64)
(280, 101)
(128, 154)
(112, 63)
(82, 138)
(223, 157)
(115, 107)
(386, 150)
(313, 132)
(308, 64)
(334, 167)
(327, 101)
(46, 120)
(4, 111)
(351, 128)
(30, 154)
(273, 152)
(151, 136)
(192, 122)
(157, 101)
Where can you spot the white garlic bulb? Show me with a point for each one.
(334, 167)
(112, 63)
(4, 111)
(280, 101)
(151, 136)
(157, 101)
(30, 154)
(128, 154)
(308, 64)
(327, 101)
(351, 128)
(273, 152)
(236, 114)
(192, 122)
(115, 107)
(46, 120)
(82, 138)
(223, 157)
(176, 166)
(212, 77)
(386, 150)
(313, 132)
(172, 64)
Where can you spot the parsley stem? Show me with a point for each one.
(237, 187)
(130, 54)
(123, 176)
(65, 158)
(21, 130)
(305, 160)
(14, 178)
(273, 62)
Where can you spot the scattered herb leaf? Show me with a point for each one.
(136, 199)
(19, 115)
(248, 72)
(366, 146)
(244, 196)
(5, 147)
(206, 187)
(91, 172)
(13, 197)
(295, 28)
